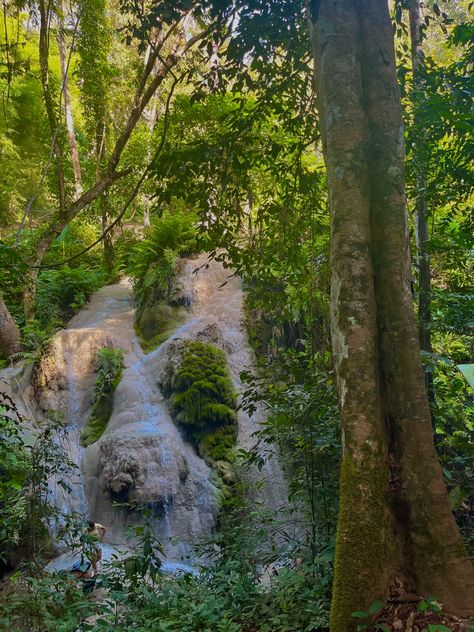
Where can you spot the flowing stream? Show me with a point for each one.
(142, 457)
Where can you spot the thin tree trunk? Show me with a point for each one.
(9, 333)
(51, 108)
(109, 250)
(421, 208)
(395, 523)
(71, 133)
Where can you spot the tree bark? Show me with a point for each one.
(71, 133)
(395, 524)
(109, 250)
(9, 333)
(51, 108)
(421, 207)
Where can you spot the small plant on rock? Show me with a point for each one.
(109, 369)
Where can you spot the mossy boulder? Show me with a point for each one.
(200, 387)
(203, 401)
(109, 368)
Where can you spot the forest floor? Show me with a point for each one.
(405, 616)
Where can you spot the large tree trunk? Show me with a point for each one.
(71, 133)
(395, 523)
(9, 333)
(421, 207)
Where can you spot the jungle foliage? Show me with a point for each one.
(225, 157)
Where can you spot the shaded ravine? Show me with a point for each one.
(142, 457)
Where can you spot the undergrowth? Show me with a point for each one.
(232, 594)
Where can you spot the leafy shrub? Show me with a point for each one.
(14, 271)
(109, 369)
(29, 460)
(79, 233)
(14, 458)
(61, 293)
(152, 266)
(153, 260)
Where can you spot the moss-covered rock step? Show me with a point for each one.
(203, 402)
(109, 369)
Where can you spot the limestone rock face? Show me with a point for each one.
(181, 290)
(63, 378)
(213, 334)
(72, 355)
(141, 469)
(144, 459)
(120, 472)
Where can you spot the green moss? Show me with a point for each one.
(203, 402)
(156, 323)
(365, 541)
(218, 445)
(201, 389)
(109, 368)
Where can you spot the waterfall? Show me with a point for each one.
(143, 458)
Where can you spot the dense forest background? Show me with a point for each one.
(133, 134)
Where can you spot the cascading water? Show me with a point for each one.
(142, 458)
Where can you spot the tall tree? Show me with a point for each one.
(51, 99)
(168, 51)
(64, 59)
(94, 49)
(395, 525)
(421, 205)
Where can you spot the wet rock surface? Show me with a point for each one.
(143, 458)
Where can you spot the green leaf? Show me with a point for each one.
(456, 498)
(360, 614)
(375, 606)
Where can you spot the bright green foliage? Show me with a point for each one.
(252, 175)
(218, 445)
(152, 265)
(109, 368)
(94, 67)
(153, 260)
(202, 393)
(61, 293)
(24, 139)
